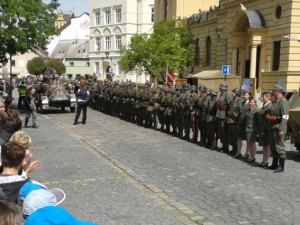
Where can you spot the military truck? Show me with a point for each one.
(54, 94)
(294, 118)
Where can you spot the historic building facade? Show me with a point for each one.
(72, 46)
(174, 9)
(113, 23)
(259, 39)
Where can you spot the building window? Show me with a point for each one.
(107, 43)
(118, 15)
(278, 12)
(88, 64)
(166, 9)
(78, 51)
(107, 17)
(96, 67)
(13, 63)
(71, 64)
(98, 44)
(276, 55)
(208, 51)
(118, 41)
(152, 14)
(97, 18)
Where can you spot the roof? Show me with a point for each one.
(71, 49)
(213, 74)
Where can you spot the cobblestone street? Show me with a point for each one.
(114, 172)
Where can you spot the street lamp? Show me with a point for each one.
(219, 30)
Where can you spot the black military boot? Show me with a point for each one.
(280, 168)
(274, 165)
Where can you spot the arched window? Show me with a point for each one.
(197, 51)
(208, 51)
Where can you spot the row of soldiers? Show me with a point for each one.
(187, 112)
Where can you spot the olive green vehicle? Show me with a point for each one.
(54, 94)
(294, 118)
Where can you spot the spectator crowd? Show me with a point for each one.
(22, 200)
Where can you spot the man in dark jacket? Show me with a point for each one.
(30, 104)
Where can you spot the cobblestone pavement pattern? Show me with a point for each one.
(114, 172)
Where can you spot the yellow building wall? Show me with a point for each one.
(181, 8)
(285, 29)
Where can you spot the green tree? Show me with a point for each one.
(57, 65)
(25, 25)
(171, 44)
(35, 66)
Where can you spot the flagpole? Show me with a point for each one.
(167, 74)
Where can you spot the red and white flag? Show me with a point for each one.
(169, 75)
(98, 47)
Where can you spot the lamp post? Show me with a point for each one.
(219, 31)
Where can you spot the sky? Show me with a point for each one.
(78, 6)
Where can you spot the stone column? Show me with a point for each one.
(234, 61)
(253, 61)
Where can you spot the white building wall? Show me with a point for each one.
(134, 20)
(78, 29)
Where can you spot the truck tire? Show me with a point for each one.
(63, 108)
(72, 109)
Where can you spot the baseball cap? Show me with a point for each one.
(52, 215)
(40, 198)
(28, 187)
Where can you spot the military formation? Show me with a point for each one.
(197, 114)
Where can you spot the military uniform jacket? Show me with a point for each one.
(281, 109)
(205, 107)
(212, 109)
(200, 105)
(263, 122)
(243, 111)
(252, 117)
(193, 101)
(234, 110)
(222, 105)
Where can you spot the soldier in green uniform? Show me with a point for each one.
(193, 110)
(186, 112)
(211, 120)
(205, 101)
(278, 119)
(199, 108)
(162, 107)
(169, 111)
(147, 114)
(232, 119)
(222, 107)
(176, 120)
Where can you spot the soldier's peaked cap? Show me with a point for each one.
(279, 88)
(193, 87)
(223, 86)
(237, 91)
(185, 86)
(202, 88)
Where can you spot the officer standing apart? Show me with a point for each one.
(30, 104)
(278, 121)
(82, 103)
(222, 107)
(22, 89)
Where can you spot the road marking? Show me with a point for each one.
(46, 117)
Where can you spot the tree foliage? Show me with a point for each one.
(26, 25)
(171, 44)
(35, 66)
(57, 65)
